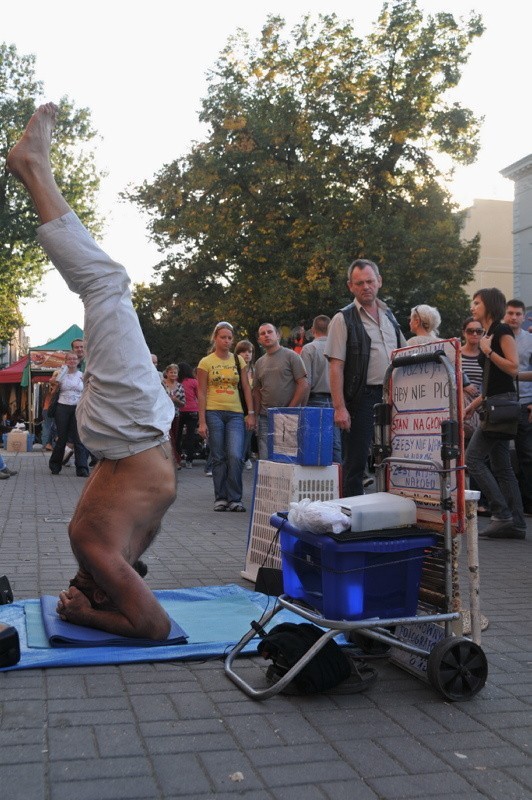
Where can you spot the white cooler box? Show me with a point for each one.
(378, 511)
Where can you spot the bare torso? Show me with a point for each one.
(117, 518)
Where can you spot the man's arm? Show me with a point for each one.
(307, 361)
(126, 606)
(300, 394)
(342, 417)
(256, 392)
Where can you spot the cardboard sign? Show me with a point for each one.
(420, 402)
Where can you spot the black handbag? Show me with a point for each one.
(240, 389)
(502, 408)
(499, 413)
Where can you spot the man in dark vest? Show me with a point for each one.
(360, 341)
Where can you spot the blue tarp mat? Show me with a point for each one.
(64, 634)
(214, 617)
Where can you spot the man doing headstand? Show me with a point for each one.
(123, 416)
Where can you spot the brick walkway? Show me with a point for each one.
(153, 731)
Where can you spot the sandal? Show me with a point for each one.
(235, 506)
(220, 505)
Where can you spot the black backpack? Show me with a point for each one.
(286, 643)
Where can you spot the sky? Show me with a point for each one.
(141, 69)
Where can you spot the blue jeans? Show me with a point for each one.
(325, 401)
(226, 442)
(46, 430)
(262, 436)
(498, 481)
(247, 445)
(357, 441)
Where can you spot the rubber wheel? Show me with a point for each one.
(457, 668)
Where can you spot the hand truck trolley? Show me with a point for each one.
(456, 666)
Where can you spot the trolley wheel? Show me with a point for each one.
(457, 668)
(369, 646)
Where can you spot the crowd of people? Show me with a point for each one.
(221, 405)
(224, 401)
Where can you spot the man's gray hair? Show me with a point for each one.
(361, 263)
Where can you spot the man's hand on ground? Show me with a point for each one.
(73, 605)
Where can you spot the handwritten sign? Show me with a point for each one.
(420, 399)
(423, 635)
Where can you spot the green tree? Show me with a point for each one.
(167, 334)
(321, 148)
(22, 261)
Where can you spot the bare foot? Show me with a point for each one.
(33, 148)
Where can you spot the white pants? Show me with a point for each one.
(124, 409)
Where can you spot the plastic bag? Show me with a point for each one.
(317, 517)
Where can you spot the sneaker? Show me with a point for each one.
(188, 464)
(506, 533)
(220, 505)
(8, 472)
(208, 473)
(248, 464)
(4, 477)
(67, 456)
(496, 527)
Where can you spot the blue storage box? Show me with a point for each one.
(363, 579)
(301, 436)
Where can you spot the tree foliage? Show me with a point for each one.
(321, 148)
(22, 261)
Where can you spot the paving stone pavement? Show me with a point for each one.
(181, 730)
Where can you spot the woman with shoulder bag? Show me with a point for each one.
(222, 417)
(499, 361)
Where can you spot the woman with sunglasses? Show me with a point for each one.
(472, 387)
(470, 351)
(497, 481)
(221, 416)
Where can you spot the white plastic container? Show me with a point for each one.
(378, 511)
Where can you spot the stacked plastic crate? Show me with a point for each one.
(299, 465)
